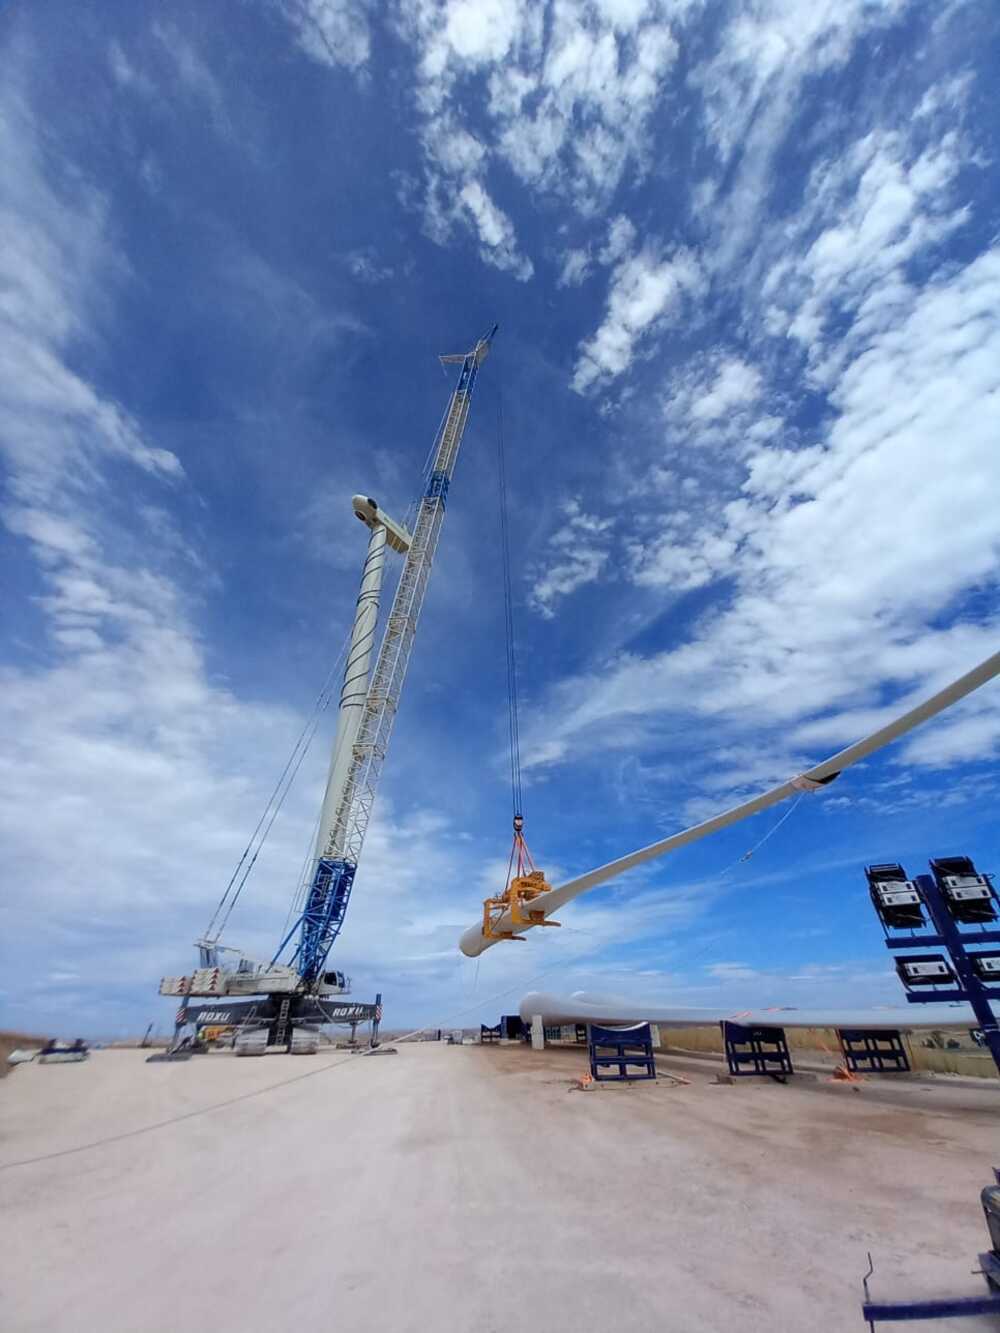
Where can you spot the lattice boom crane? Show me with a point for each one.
(293, 990)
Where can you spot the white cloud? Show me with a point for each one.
(851, 558)
(752, 86)
(579, 551)
(682, 566)
(194, 75)
(621, 239)
(569, 93)
(365, 266)
(868, 214)
(455, 193)
(731, 384)
(597, 71)
(550, 70)
(497, 241)
(54, 426)
(477, 32)
(946, 96)
(334, 32)
(768, 47)
(646, 293)
(827, 623)
(124, 70)
(575, 269)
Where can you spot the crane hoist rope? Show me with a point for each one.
(513, 732)
(247, 861)
(523, 880)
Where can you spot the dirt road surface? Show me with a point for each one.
(466, 1188)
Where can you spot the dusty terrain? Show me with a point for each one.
(467, 1188)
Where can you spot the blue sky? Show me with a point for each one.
(744, 258)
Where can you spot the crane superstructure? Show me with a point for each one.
(290, 995)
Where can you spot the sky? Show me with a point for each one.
(745, 261)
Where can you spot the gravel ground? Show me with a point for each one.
(467, 1188)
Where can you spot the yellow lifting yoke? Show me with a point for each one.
(525, 884)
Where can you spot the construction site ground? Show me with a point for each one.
(474, 1188)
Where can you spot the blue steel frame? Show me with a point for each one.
(437, 487)
(756, 1050)
(874, 1051)
(970, 988)
(621, 1049)
(322, 917)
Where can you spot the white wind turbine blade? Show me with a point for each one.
(473, 942)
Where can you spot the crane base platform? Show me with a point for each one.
(272, 1022)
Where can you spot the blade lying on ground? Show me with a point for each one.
(558, 1009)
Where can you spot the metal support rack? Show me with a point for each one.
(756, 1050)
(954, 895)
(621, 1055)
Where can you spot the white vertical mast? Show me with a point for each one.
(353, 692)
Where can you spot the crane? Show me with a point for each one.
(291, 998)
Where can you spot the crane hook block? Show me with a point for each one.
(518, 823)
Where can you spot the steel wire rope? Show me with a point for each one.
(322, 703)
(274, 815)
(513, 725)
(306, 735)
(302, 883)
(425, 470)
(717, 880)
(741, 860)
